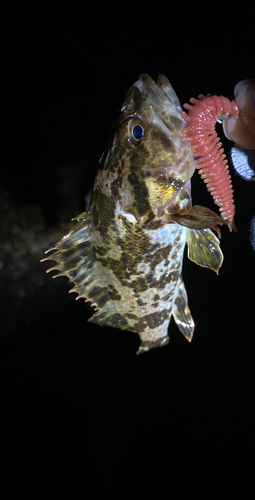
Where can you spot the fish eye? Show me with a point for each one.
(131, 131)
(136, 132)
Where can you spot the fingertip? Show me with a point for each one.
(238, 132)
(244, 92)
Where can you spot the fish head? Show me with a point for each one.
(148, 165)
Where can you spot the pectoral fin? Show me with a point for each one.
(204, 248)
(198, 217)
(181, 313)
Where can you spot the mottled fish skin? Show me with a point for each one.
(125, 253)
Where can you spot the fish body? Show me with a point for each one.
(125, 253)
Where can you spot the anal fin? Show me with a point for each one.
(181, 313)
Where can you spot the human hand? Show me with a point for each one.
(242, 131)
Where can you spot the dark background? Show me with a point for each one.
(79, 409)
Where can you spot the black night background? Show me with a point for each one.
(80, 411)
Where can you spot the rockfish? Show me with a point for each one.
(125, 253)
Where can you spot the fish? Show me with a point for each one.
(125, 254)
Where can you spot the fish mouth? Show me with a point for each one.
(163, 100)
(157, 91)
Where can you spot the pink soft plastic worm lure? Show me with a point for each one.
(212, 163)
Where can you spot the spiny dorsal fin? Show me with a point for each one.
(75, 258)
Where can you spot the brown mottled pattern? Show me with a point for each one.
(125, 254)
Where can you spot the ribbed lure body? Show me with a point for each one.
(211, 162)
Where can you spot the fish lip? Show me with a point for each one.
(162, 99)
